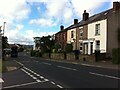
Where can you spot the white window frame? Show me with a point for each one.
(97, 45)
(97, 29)
(81, 32)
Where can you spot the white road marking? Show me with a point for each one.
(22, 84)
(67, 68)
(53, 83)
(104, 75)
(38, 80)
(46, 63)
(18, 62)
(59, 86)
(46, 79)
(34, 77)
(87, 65)
(41, 77)
(31, 75)
(37, 75)
(90, 65)
(1, 80)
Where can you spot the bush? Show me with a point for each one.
(69, 48)
(32, 52)
(38, 54)
(116, 56)
(35, 53)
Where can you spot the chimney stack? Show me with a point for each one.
(85, 15)
(61, 27)
(75, 21)
(116, 6)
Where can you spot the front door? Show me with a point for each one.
(91, 51)
(86, 48)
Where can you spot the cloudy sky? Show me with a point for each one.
(26, 19)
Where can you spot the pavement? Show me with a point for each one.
(11, 65)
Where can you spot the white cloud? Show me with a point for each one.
(27, 37)
(13, 12)
(43, 22)
(14, 9)
(65, 10)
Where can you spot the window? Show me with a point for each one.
(72, 34)
(81, 32)
(97, 29)
(81, 46)
(97, 45)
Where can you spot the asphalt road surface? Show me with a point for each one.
(40, 73)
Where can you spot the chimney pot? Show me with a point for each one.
(85, 15)
(61, 27)
(75, 21)
(116, 6)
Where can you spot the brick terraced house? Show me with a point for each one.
(97, 32)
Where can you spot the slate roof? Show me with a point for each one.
(97, 17)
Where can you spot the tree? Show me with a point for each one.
(69, 48)
(45, 43)
(57, 47)
(4, 42)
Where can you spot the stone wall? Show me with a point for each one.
(70, 56)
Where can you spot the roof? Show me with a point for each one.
(97, 17)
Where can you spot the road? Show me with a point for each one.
(40, 73)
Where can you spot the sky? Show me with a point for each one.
(26, 19)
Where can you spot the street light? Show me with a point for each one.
(4, 28)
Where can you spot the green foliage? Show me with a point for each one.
(35, 53)
(69, 48)
(32, 52)
(57, 47)
(4, 42)
(116, 56)
(45, 43)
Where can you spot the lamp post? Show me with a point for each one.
(4, 28)
(2, 40)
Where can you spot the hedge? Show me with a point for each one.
(35, 53)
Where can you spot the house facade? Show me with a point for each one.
(61, 37)
(73, 35)
(98, 32)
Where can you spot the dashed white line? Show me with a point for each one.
(41, 77)
(59, 86)
(90, 65)
(46, 63)
(67, 68)
(104, 75)
(52, 82)
(38, 80)
(37, 75)
(87, 65)
(46, 79)
(34, 77)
